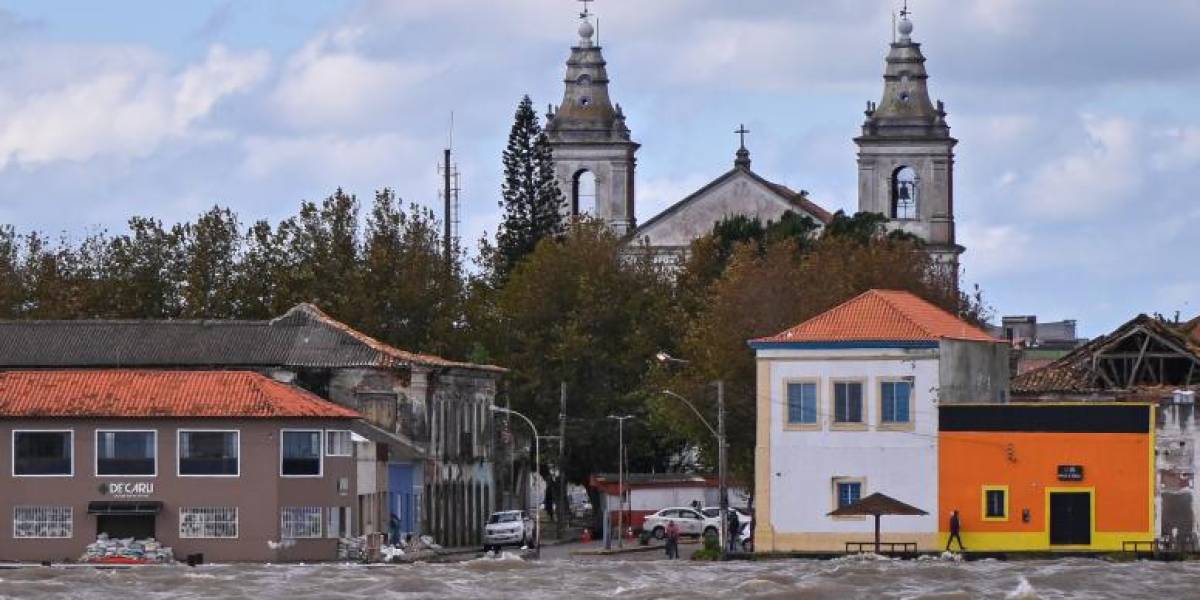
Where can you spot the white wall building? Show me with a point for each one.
(847, 407)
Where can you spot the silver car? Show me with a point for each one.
(507, 528)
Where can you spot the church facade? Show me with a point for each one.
(905, 163)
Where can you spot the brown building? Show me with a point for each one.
(230, 464)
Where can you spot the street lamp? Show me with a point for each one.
(537, 462)
(620, 419)
(719, 434)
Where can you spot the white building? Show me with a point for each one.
(847, 406)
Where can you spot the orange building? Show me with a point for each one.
(1037, 477)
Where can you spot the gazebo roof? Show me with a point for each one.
(877, 504)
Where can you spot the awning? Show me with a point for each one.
(102, 507)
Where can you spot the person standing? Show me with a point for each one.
(955, 532)
(734, 527)
(672, 540)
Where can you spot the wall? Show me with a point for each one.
(258, 492)
(1176, 467)
(796, 472)
(1116, 466)
(973, 372)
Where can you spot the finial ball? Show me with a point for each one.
(905, 27)
(586, 30)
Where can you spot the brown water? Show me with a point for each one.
(486, 578)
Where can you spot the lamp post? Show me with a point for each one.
(719, 434)
(537, 462)
(620, 419)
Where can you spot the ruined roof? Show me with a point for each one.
(304, 336)
(1073, 372)
(882, 316)
(128, 393)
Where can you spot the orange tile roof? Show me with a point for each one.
(884, 316)
(130, 393)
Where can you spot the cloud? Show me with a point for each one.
(327, 156)
(1101, 172)
(121, 110)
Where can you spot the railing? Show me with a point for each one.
(884, 547)
(1159, 546)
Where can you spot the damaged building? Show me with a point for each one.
(424, 450)
(1148, 359)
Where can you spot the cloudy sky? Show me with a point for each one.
(1077, 120)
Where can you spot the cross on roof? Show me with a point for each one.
(904, 12)
(742, 131)
(585, 13)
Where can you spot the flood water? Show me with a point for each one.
(514, 578)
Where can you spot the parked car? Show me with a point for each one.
(507, 528)
(714, 512)
(746, 537)
(689, 521)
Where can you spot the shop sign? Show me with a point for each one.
(127, 489)
(1070, 472)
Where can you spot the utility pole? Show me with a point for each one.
(446, 216)
(620, 477)
(721, 466)
(562, 459)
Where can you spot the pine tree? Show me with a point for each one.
(532, 202)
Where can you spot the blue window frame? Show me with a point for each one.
(802, 402)
(895, 397)
(848, 492)
(847, 402)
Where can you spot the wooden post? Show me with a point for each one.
(876, 534)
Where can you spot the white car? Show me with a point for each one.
(715, 513)
(507, 528)
(689, 521)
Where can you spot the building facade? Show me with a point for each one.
(231, 465)
(424, 450)
(1046, 477)
(847, 407)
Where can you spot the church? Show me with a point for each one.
(905, 162)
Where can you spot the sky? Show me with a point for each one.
(1077, 122)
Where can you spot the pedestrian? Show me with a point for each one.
(734, 525)
(394, 529)
(672, 540)
(955, 532)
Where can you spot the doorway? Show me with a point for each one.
(1070, 518)
(138, 527)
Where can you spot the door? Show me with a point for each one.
(138, 527)
(692, 522)
(1070, 518)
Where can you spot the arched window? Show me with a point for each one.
(906, 188)
(584, 196)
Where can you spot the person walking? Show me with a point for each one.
(955, 532)
(672, 540)
(734, 526)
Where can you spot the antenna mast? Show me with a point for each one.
(450, 193)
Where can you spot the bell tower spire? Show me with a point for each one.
(906, 154)
(593, 151)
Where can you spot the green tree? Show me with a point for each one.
(143, 269)
(533, 204)
(211, 249)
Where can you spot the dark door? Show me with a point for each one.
(1070, 518)
(138, 527)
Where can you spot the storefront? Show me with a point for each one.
(1038, 477)
(228, 464)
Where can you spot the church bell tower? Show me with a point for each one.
(593, 153)
(906, 154)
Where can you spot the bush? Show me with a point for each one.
(711, 550)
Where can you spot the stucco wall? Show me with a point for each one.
(803, 464)
(973, 372)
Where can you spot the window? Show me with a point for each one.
(802, 403)
(300, 522)
(338, 524)
(847, 402)
(895, 399)
(584, 192)
(848, 492)
(300, 453)
(219, 522)
(43, 521)
(208, 453)
(43, 453)
(995, 503)
(126, 453)
(338, 443)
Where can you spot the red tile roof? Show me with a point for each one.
(883, 316)
(128, 393)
